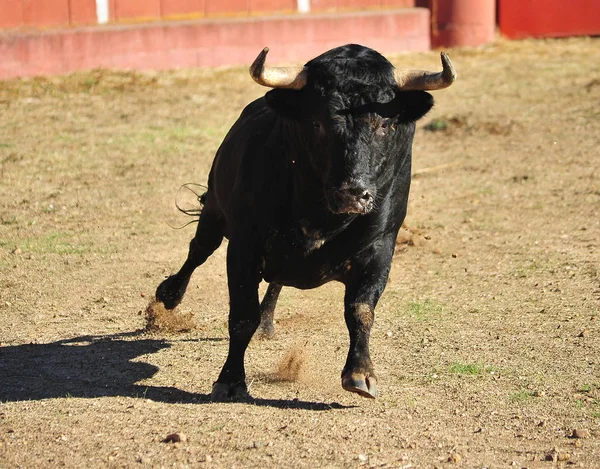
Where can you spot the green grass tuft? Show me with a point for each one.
(436, 125)
(425, 310)
(55, 242)
(469, 368)
(522, 396)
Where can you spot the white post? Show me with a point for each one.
(102, 11)
(303, 6)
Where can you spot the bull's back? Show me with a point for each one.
(242, 143)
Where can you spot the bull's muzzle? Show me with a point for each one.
(349, 199)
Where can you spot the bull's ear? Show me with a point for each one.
(287, 103)
(412, 105)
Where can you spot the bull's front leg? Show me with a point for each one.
(244, 316)
(363, 290)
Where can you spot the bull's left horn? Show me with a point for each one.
(293, 78)
(424, 80)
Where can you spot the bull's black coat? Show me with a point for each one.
(310, 186)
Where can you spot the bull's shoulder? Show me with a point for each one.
(251, 128)
(246, 176)
(257, 106)
(257, 113)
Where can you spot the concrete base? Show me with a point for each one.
(208, 43)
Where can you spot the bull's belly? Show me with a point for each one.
(304, 273)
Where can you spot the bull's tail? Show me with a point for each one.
(194, 211)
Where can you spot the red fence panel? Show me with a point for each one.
(227, 7)
(272, 6)
(323, 5)
(548, 18)
(397, 3)
(45, 12)
(82, 12)
(140, 9)
(182, 7)
(462, 22)
(11, 14)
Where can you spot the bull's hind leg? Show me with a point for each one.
(209, 235)
(243, 277)
(266, 329)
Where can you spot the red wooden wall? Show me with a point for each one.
(52, 13)
(548, 18)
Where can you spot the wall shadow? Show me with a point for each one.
(100, 366)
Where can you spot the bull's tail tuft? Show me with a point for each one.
(193, 211)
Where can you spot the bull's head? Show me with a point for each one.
(355, 114)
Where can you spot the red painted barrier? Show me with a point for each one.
(462, 22)
(82, 12)
(11, 14)
(226, 7)
(207, 43)
(548, 18)
(53, 13)
(45, 12)
(138, 9)
(173, 8)
(270, 6)
(323, 5)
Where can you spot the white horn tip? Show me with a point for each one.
(449, 72)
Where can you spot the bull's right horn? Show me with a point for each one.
(427, 81)
(293, 78)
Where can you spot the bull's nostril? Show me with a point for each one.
(366, 197)
(351, 200)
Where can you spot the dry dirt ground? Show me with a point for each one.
(486, 340)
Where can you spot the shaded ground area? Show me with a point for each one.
(486, 340)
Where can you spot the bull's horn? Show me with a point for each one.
(427, 81)
(293, 78)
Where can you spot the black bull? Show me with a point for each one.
(311, 185)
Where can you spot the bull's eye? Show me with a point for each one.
(386, 127)
(316, 125)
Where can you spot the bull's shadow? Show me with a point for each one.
(87, 366)
(99, 366)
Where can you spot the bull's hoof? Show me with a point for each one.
(222, 392)
(265, 331)
(170, 292)
(362, 384)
